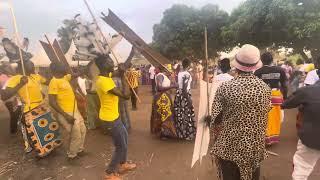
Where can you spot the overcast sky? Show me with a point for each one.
(38, 17)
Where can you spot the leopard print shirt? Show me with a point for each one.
(243, 103)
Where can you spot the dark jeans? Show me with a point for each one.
(153, 83)
(230, 171)
(134, 98)
(119, 136)
(15, 115)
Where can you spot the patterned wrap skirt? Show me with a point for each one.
(42, 130)
(275, 117)
(184, 116)
(162, 116)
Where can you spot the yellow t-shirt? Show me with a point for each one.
(109, 102)
(30, 93)
(64, 92)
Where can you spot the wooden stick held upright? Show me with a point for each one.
(112, 52)
(20, 51)
(17, 38)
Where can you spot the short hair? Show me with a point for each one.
(225, 65)
(28, 67)
(103, 61)
(267, 58)
(58, 68)
(186, 63)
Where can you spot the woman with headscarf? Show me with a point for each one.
(183, 106)
(162, 116)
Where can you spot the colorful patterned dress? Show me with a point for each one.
(162, 116)
(184, 109)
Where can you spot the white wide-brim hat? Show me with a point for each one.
(248, 58)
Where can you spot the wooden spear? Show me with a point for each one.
(20, 51)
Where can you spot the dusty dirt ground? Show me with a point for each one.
(156, 159)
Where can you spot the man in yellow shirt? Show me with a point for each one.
(62, 100)
(133, 77)
(28, 88)
(109, 96)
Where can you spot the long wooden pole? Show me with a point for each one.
(20, 51)
(112, 52)
(138, 46)
(17, 38)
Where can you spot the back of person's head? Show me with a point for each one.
(267, 58)
(186, 63)
(28, 67)
(225, 65)
(58, 69)
(104, 63)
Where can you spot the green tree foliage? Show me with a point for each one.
(275, 23)
(181, 31)
(66, 34)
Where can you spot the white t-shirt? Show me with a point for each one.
(152, 72)
(223, 77)
(188, 78)
(166, 81)
(312, 77)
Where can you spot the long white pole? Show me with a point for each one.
(207, 65)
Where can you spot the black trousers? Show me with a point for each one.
(153, 83)
(134, 98)
(15, 115)
(230, 171)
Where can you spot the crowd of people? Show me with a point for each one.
(246, 116)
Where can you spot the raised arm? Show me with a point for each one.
(125, 94)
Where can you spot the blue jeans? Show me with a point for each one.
(119, 136)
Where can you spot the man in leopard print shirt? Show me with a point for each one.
(242, 105)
